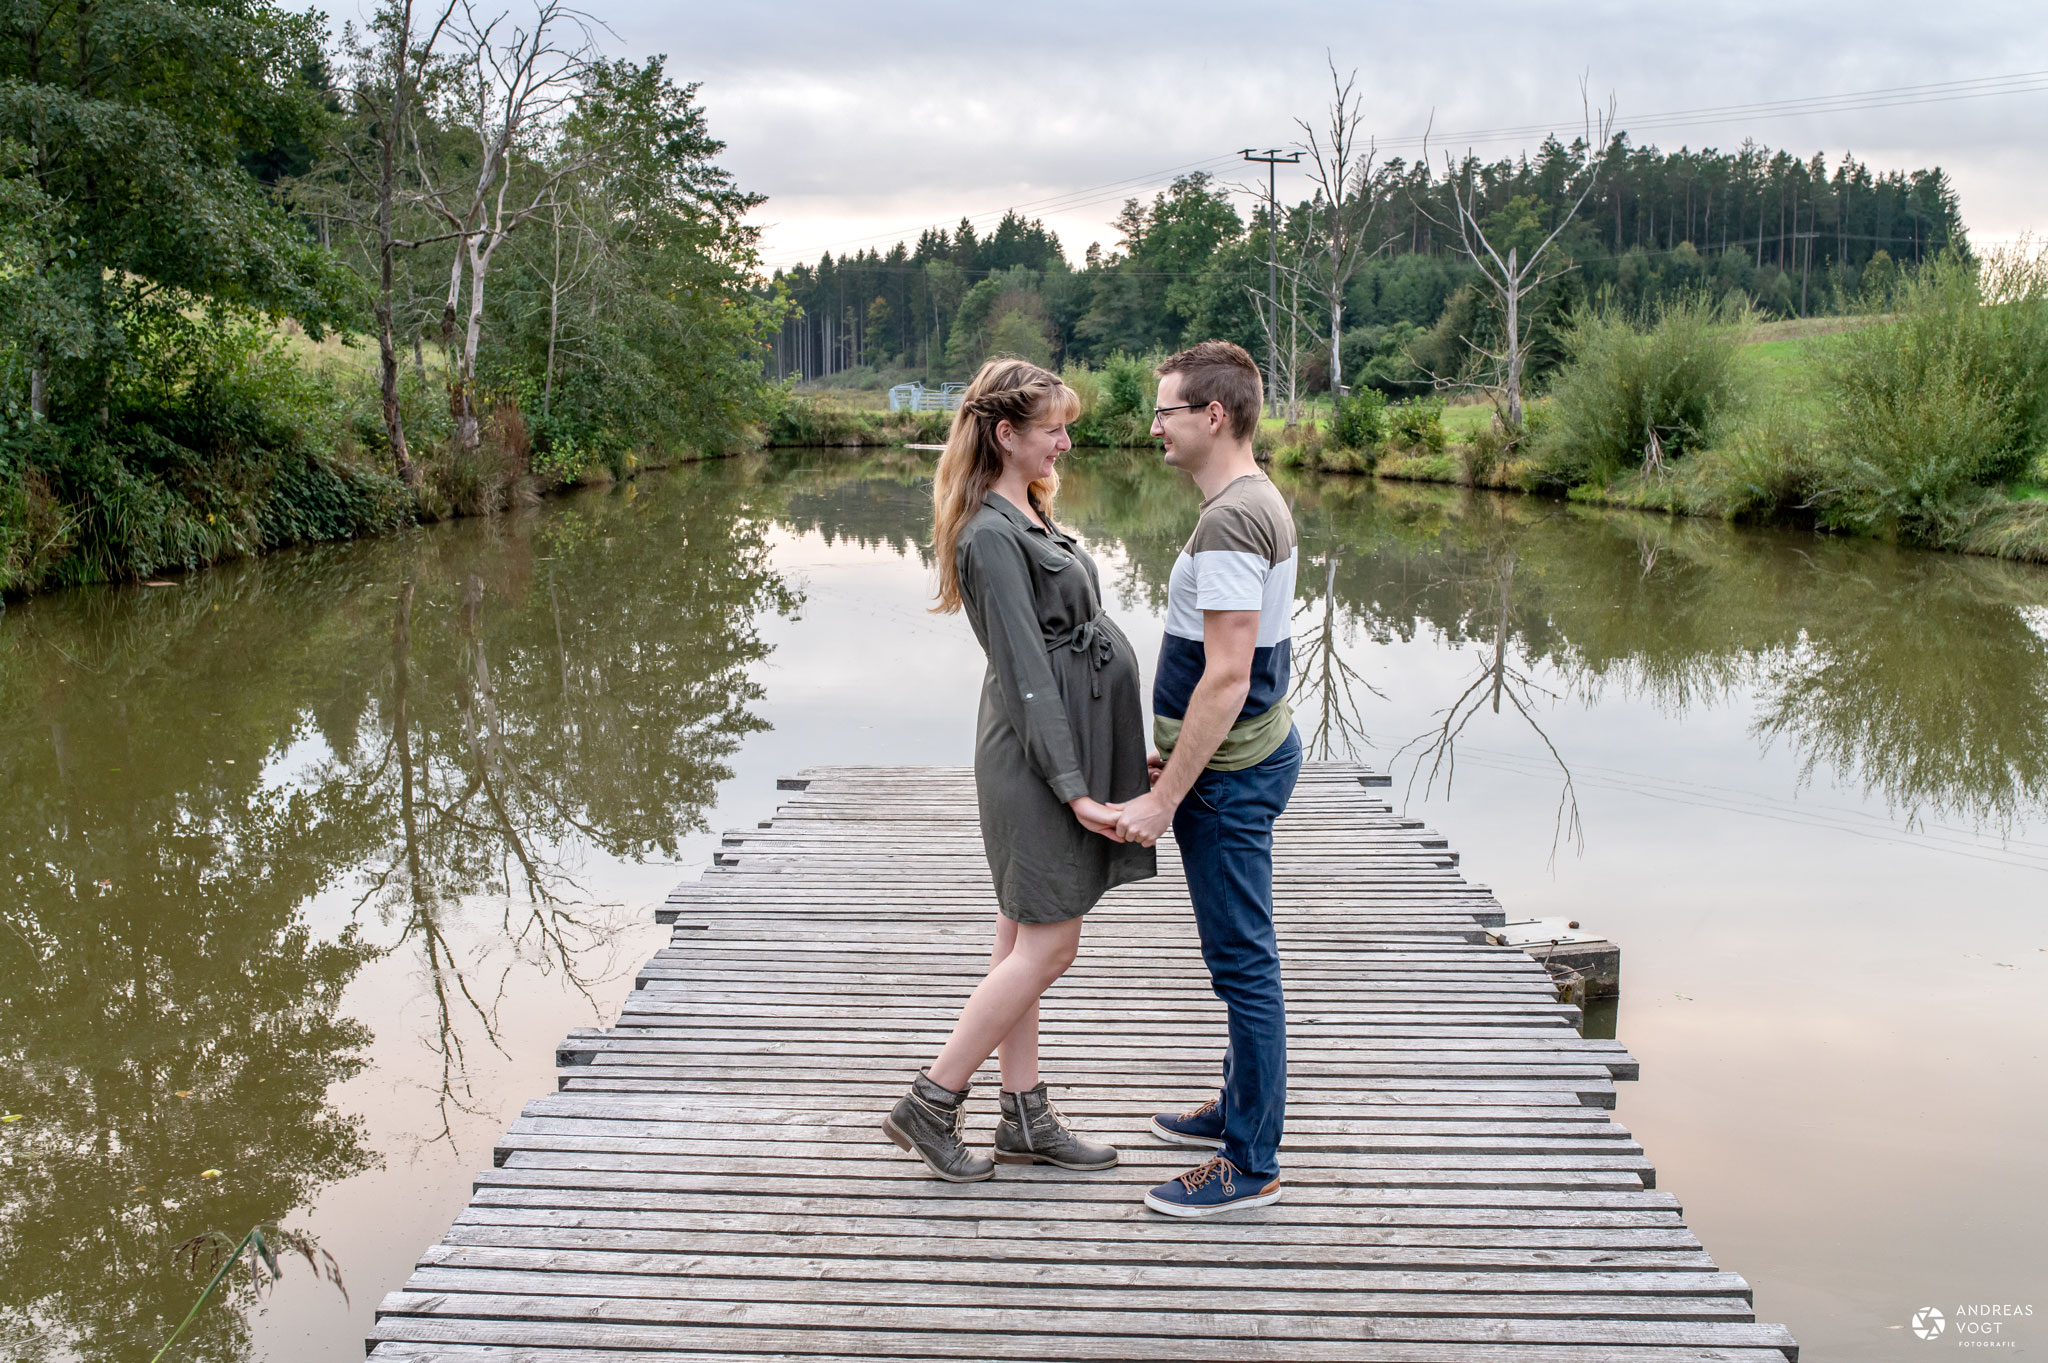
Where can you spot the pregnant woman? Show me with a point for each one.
(1060, 742)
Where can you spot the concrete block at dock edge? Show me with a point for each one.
(1555, 941)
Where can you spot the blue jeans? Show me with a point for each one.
(1225, 831)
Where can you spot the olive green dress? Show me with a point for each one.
(1061, 716)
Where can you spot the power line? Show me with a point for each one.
(1854, 101)
(1707, 250)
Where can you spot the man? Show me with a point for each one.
(1228, 757)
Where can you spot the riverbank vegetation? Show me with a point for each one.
(530, 244)
(1925, 422)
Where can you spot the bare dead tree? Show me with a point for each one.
(406, 62)
(1285, 329)
(506, 93)
(577, 252)
(389, 72)
(1510, 278)
(1343, 204)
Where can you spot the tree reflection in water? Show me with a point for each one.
(1326, 685)
(1497, 678)
(1920, 678)
(432, 729)
(586, 699)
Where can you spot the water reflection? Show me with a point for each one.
(431, 730)
(1921, 679)
(1918, 678)
(226, 799)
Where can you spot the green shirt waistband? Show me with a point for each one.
(1249, 742)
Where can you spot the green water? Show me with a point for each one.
(311, 860)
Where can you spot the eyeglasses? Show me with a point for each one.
(1183, 407)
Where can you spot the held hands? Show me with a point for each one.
(1142, 820)
(1097, 817)
(1145, 818)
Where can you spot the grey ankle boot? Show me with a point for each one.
(926, 1121)
(1033, 1131)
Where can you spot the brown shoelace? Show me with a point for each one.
(1201, 1111)
(1218, 1167)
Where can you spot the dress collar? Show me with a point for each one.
(997, 502)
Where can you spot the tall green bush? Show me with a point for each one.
(1636, 392)
(1418, 424)
(1945, 398)
(1361, 421)
(1116, 403)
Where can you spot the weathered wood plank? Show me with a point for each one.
(709, 1183)
(661, 1267)
(1362, 1352)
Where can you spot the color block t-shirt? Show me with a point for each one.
(1242, 557)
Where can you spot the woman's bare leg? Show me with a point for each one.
(1039, 954)
(1018, 1050)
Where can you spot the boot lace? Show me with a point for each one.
(1202, 1111)
(959, 1114)
(1194, 1179)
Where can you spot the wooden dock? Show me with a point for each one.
(711, 1183)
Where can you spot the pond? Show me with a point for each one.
(313, 859)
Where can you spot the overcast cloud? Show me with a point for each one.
(865, 123)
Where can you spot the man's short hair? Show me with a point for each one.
(1218, 371)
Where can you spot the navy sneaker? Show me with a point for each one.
(1201, 1126)
(1209, 1188)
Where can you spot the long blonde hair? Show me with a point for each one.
(1015, 391)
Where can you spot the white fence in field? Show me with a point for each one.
(915, 397)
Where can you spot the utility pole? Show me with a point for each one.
(1271, 158)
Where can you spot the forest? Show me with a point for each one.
(1796, 236)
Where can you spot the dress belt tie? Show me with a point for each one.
(1090, 637)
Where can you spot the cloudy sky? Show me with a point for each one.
(865, 123)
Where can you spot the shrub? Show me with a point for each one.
(1347, 459)
(1948, 397)
(1483, 454)
(1122, 412)
(802, 420)
(1361, 420)
(1087, 386)
(1636, 393)
(1767, 464)
(1299, 446)
(1418, 425)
